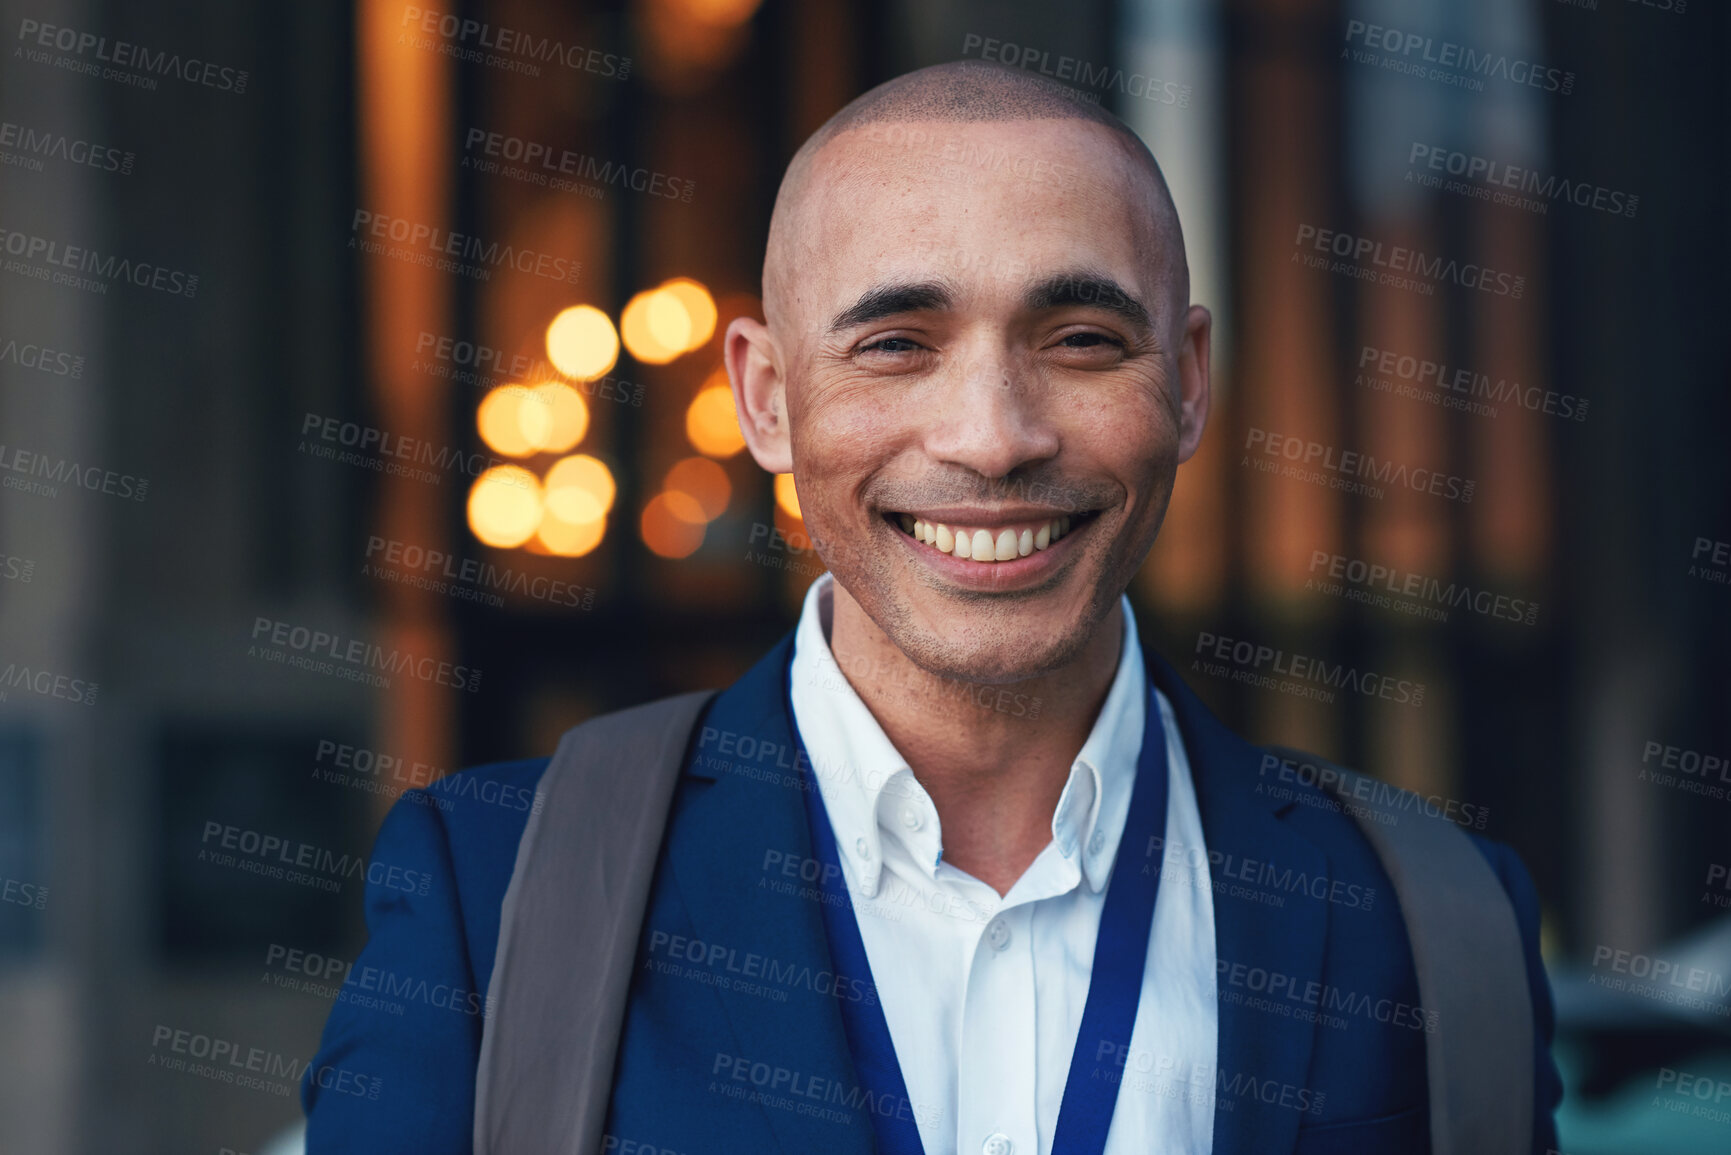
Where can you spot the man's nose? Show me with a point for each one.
(990, 416)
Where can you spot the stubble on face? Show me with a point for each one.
(861, 444)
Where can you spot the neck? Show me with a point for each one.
(993, 758)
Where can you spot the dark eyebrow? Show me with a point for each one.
(1091, 289)
(890, 300)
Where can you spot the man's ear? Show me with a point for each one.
(759, 393)
(1195, 388)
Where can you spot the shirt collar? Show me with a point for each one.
(870, 792)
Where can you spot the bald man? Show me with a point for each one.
(955, 868)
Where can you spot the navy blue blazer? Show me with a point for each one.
(733, 1038)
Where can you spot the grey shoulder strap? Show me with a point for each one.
(1467, 950)
(569, 928)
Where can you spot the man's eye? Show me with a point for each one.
(1087, 340)
(890, 345)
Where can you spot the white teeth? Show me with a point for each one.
(984, 545)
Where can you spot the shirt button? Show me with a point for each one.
(1097, 841)
(863, 848)
(911, 819)
(997, 1143)
(998, 934)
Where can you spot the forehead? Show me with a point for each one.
(988, 207)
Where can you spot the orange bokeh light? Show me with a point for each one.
(711, 421)
(704, 481)
(582, 343)
(673, 525)
(504, 506)
(785, 495)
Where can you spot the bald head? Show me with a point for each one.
(961, 93)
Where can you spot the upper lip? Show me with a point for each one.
(984, 517)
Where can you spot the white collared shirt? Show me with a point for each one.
(983, 994)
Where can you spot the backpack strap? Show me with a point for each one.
(1466, 948)
(569, 927)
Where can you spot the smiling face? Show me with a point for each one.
(980, 370)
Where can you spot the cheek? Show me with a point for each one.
(1127, 431)
(842, 432)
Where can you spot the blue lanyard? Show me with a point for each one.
(1114, 989)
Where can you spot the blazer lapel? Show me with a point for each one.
(728, 855)
(1262, 920)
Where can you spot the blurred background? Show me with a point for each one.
(362, 417)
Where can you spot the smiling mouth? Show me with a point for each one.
(990, 544)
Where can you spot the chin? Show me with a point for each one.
(982, 642)
(995, 662)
